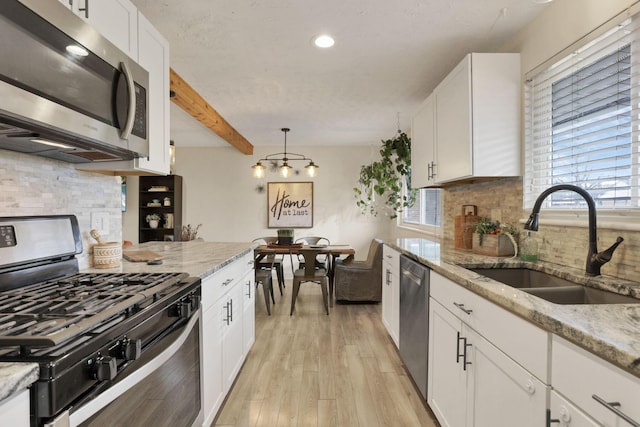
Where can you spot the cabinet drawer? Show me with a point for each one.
(521, 340)
(391, 257)
(579, 375)
(216, 285)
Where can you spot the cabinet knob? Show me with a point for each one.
(530, 387)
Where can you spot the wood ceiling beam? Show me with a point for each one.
(185, 97)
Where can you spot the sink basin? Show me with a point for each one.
(577, 294)
(551, 288)
(522, 277)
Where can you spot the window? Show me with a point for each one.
(425, 213)
(582, 124)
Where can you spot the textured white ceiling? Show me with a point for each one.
(254, 62)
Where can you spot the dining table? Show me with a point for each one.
(333, 252)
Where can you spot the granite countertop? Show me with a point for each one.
(198, 258)
(611, 331)
(15, 377)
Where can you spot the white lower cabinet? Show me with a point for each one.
(249, 315)
(501, 392)
(227, 331)
(14, 410)
(472, 381)
(232, 341)
(391, 292)
(598, 389)
(447, 385)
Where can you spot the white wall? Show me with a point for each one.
(221, 194)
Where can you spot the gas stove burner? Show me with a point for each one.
(52, 312)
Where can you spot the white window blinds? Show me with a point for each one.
(582, 124)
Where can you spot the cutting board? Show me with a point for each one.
(141, 256)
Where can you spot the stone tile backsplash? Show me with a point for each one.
(31, 185)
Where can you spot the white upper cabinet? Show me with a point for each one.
(423, 145)
(154, 56)
(117, 20)
(469, 127)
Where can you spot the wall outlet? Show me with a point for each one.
(100, 222)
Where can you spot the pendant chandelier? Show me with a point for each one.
(285, 158)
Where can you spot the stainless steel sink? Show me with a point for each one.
(578, 294)
(522, 277)
(551, 288)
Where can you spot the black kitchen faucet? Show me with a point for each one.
(595, 259)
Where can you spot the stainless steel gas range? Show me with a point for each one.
(113, 348)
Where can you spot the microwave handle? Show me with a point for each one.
(125, 132)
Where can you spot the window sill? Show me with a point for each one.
(428, 230)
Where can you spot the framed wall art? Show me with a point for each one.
(290, 204)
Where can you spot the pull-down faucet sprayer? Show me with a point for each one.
(595, 259)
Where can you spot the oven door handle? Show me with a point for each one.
(76, 416)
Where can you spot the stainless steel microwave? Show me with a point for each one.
(66, 92)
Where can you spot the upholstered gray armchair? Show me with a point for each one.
(360, 280)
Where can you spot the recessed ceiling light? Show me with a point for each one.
(542, 1)
(324, 41)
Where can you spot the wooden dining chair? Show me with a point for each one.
(310, 274)
(272, 261)
(264, 277)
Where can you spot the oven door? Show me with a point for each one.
(164, 390)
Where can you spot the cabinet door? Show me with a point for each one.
(212, 389)
(566, 414)
(114, 19)
(391, 292)
(154, 57)
(232, 343)
(583, 378)
(453, 124)
(423, 144)
(446, 390)
(501, 393)
(249, 311)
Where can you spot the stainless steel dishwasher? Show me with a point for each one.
(414, 320)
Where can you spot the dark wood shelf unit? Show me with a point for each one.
(173, 183)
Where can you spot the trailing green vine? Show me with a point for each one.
(385, 178)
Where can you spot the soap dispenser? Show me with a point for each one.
(529, 248)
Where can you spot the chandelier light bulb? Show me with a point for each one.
(285, 169)
(312, 169)
(258, 170)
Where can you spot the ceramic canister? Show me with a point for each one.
(107, 255)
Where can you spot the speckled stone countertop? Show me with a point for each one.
(15, 377)
(611, 331)
(195, 257)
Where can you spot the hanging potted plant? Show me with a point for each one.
(385, 178)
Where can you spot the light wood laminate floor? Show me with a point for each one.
(311, 369)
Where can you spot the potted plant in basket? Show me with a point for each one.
(153, 219)
(494, 238)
